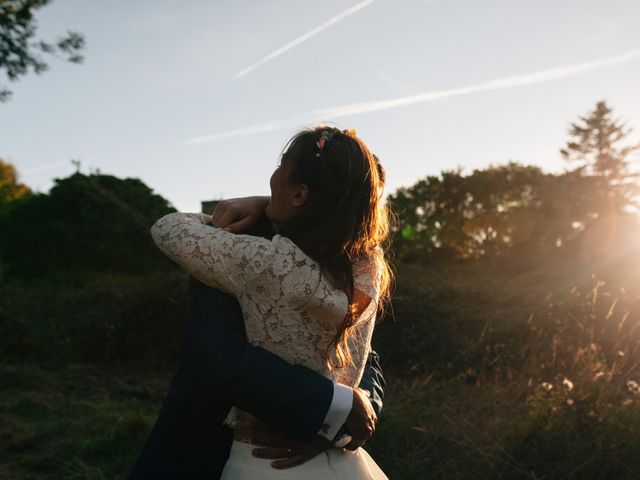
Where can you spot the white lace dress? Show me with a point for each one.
(290, 308)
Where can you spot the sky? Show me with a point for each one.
(198, 98)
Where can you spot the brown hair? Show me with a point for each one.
(343, 218)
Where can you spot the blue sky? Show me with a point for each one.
(168, 94)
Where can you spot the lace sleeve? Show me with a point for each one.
(214, 256)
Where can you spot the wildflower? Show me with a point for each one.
(567, 384)
(633, 387)
(547, 386)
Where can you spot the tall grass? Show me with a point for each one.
(548, 389)
(76, 421)
(493, 372)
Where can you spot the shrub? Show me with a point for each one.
(94, 319)
(86, 223)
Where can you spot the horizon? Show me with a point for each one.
(189, 99)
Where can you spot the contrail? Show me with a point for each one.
(304, 37)
(333, 113)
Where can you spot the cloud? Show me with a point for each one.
(304, 37)
(333, 113)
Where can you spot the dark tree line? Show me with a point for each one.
(86, 223)
(516, 209)
(100, 223)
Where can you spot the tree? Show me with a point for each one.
(96, 223)
(465, 216)
(498, 211)
(519, 210)
(20, 52)
(595, 144)
(10, 189)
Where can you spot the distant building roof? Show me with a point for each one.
(207, 206)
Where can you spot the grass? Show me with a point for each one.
(76, 422)
(494, 372)
(88, 422)
(510, 374)
(510, 430)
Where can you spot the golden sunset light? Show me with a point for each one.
(348, 239)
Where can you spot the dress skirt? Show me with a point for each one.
(333, 464)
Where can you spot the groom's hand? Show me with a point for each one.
(238, 214)
(362, 419)
(286, 451)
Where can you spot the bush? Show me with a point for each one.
(86, 223)
(94, 319)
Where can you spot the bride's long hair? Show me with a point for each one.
(343, 218)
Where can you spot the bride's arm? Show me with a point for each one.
(232, 262)
(214, 256)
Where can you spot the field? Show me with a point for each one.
(526, 371)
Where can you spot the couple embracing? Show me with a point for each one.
(277, 378)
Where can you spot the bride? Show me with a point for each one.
(310, 294)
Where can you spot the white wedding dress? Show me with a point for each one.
(291, 309)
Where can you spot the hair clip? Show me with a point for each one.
(324, 136)
(351, 132)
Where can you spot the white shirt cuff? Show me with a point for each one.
(339, 409)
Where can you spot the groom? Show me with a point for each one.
(219, 369)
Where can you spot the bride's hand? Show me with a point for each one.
(238, 214)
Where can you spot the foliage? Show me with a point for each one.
(10, 189)
(491, 212)
(595, 145)
(516, 210)
(95, 222)
(93, 318)
(19, 51)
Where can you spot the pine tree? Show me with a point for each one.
(596, 144)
